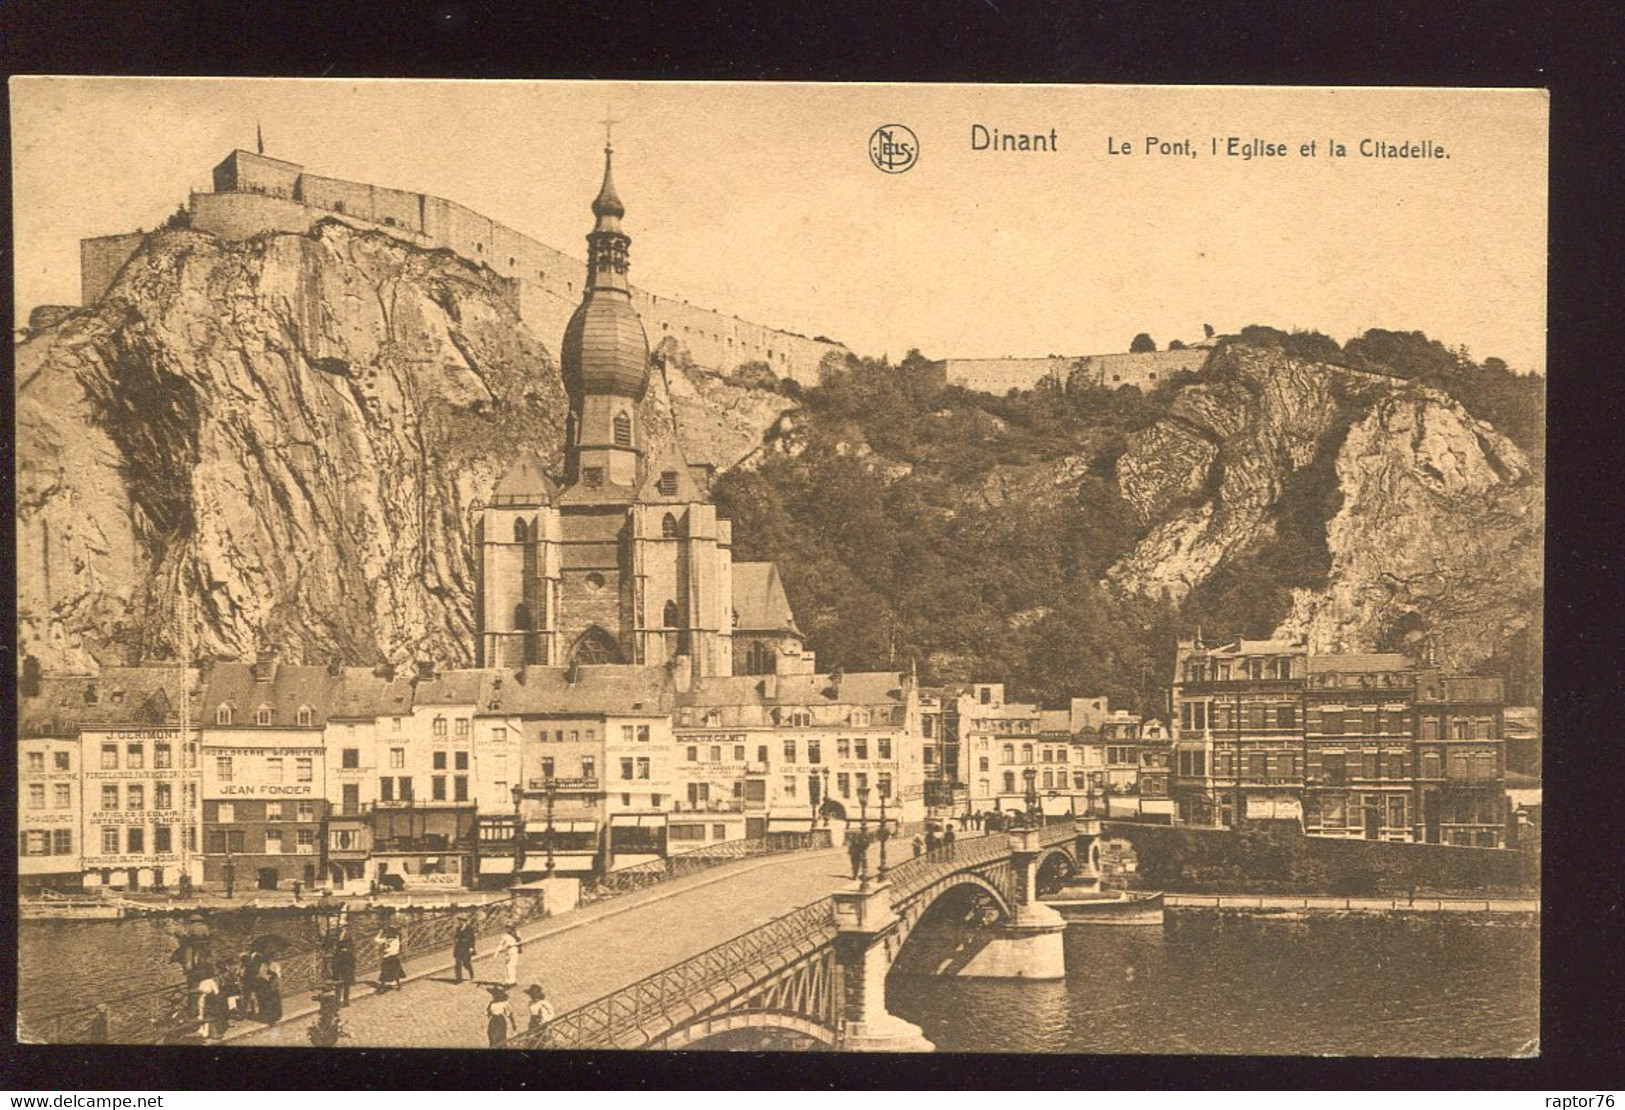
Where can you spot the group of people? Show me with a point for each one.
(930, 841)
(500, 1021)
(223, 992)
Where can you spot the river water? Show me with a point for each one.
(1411, 986)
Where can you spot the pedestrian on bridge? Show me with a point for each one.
(948, 838)
(509, 947)
(462, 948)
(857, 847)
(540, 1009)
(498, 1018)
(919, 845)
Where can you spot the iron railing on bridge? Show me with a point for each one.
(638, 876)
(914, 875)
(635, 1015)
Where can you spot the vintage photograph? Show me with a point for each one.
(817, 567)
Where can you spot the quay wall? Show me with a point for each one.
(549, 282)
(1277, 860)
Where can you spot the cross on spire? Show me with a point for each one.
(608, 122)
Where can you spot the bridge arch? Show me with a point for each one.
(1055, 866)
(934, 925)
(745, 1030)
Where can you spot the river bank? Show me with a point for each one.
(1286, 907)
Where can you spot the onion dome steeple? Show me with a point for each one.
(605, 350)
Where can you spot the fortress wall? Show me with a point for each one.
(101, 259)
(1146, 369)
(257, 195)
(1001, 375)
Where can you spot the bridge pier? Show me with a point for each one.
(866, 923)
(1032, 944)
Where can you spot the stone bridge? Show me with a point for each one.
(816, 977)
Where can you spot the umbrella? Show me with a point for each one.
(269, 944)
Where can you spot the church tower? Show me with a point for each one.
(604, 358)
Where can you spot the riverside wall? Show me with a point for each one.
(1278, 860)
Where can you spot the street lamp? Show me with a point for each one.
(329, 921)
(1033, 818)
(552, 787)
(518, 833)
(826, 797)
(884, 835)
(863, 836)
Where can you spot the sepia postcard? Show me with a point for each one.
(855, 567)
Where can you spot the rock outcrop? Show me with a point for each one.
(291, 435)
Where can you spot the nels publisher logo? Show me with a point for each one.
(893, 148)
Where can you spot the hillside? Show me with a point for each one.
(294, 433)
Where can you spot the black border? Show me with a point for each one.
(1489, 44)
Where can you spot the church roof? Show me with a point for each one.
(525, 483)
(759, 601)
(605, 349)
(668, 459)
(608, 202)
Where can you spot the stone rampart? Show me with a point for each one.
(1145, 370)
(549, 281)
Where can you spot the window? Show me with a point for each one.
(981, 763)
(643, 767)
(163, 796)
(843, 784)
(884, 744)
(63, 762)
(36, 844)
(273, 811)
(1286, 716)
(520, 535)
(1026, 753)
(304, 769)
(668, 527)
(626, 734)
(36, 762)
(262, 715)
(303, 716)
(109, 757)
(1007, 754)
(36, 795)
(668, 483)
(350, 758)
(592, 477)
(693, 754)
(1009, 782)
(439, 761)
(405, 783)
(814, 752)
(789, 751)
(136, 838)
(397, 758)
(437, 788)
(109, 840)
(623, 429)
(394, 724)
(222, 768)
(439, 726)
(225, 812)
(739, 752)
(843, 749)
(273, 842)
(626, 768)
(161, 758)
(459, 760)
(716, 753)
(1331, 722)
(1430, 765)
(789, 790)
(459, 788)
(643, 734)
(699, 792)
(670, 617)
(273, 768)
(499, 736)
(62, 842)
(860, 747)
(386, 789)
(62, 795)
(460, 730)
(109, 797)
(1257, 765)
(222, 715)
(306, 839)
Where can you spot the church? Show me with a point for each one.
(621, 559)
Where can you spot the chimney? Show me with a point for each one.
(425, 670)
(335, 666)
(28, 685)
(264, 665)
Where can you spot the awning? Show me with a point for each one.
(635, 820)
(561, 826)
(496, 865)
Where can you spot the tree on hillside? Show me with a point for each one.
(1142, 343)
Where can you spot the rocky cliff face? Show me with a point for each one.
(292, 436)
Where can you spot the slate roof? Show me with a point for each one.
(861, 688)
(117, 697)
(1374, 661)
(759, 600)
(608, 690)
(346, 692)
(456, 687)
(525, 483)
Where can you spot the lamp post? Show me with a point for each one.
(826, 797)
(863, 837)
(1033, 817)
(552, 787)
(885, 833)
(329, 921)
(518, 833)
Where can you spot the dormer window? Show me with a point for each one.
(222, 715)
(668, 527)
(623, 430)
(262, 715)
(304, 716)
(668, 483)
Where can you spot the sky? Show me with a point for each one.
(761, 199)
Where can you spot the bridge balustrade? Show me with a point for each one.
(637, 1015)
(914, 875)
